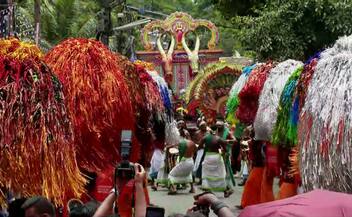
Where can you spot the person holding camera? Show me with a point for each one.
(107, 207)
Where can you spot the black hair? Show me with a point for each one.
(219, 117)
(40, 204)
(15, 209)
(86, 210)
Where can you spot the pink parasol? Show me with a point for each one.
(317, 203)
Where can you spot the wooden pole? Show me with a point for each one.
(37, 17)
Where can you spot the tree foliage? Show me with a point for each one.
(267, 29)
(296, 28)
(232, 8)
(61, 19)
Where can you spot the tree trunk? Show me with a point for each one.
(11, 16)
(37, 16)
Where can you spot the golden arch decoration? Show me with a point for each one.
(179, 24)
(212, 87)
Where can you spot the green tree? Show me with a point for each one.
(232, 8)
(294, 29)
(61, 19)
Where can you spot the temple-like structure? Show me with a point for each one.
(178, 63)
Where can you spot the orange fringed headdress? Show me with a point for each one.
(37, 155)
(98, 100)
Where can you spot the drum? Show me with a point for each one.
(171, 158)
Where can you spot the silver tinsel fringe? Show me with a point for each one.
(269, 98)
(325, 124)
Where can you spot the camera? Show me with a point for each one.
(124, 171)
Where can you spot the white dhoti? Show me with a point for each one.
(162, 177)
(182, 172)
(155, 163)
(198, 160)
(213, 172)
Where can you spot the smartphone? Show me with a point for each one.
(155, 212)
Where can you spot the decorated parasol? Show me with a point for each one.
(209, 91)
(37, 153)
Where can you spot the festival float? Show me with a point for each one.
(146, 102)
(165, 127)
(285, 131)
(179, 65)
(275, 159)
(37, 137)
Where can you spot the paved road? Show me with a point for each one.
(183, 200)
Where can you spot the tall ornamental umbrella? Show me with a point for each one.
(98, 100)
(37, 153)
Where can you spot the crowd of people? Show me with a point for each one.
(206, 156)
(39, 206)
(209, 156)
(203, 157)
